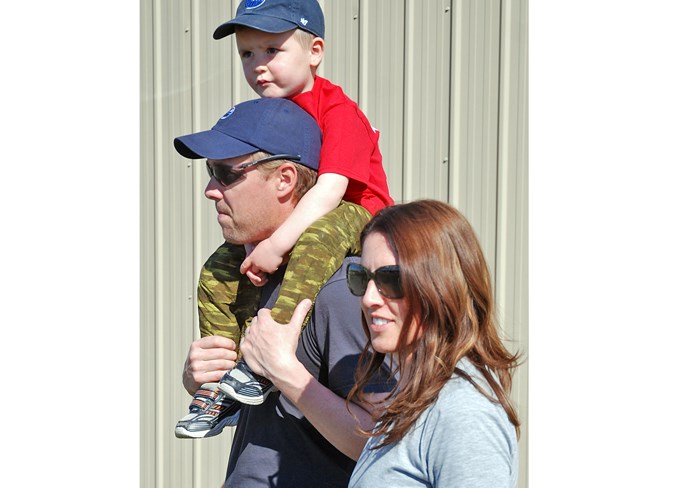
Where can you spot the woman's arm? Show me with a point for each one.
(270, 349)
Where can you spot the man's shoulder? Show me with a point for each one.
(339, 277)
(334, 303)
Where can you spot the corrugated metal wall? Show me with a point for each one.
(445, 81)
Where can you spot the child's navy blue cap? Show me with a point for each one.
(273, 125)
(276, 16)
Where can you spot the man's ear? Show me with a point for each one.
(286, 177)
(316, 52)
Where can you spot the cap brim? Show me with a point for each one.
(258, 22)
(211, 144)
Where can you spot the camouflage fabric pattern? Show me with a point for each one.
(227, 300)
(317, 255)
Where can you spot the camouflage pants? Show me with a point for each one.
(227, 300)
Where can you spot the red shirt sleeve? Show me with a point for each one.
(347, 145)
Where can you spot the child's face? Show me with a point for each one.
(275, 65)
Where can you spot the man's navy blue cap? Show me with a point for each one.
(276, 16)
(273, 125)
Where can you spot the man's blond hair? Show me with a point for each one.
(305, 179)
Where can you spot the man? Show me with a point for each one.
(303, 434)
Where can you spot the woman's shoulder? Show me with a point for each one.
(459, 401)
(463, 416)
(464, 431)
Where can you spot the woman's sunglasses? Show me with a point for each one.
(227, 175)
(386, 278)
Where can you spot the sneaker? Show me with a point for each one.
(209, 412)
(245, 386)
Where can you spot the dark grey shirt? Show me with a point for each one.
(274, 444)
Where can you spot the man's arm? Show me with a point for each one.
(270, 349)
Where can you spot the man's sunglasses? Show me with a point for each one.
(386, 278)
(227, 175)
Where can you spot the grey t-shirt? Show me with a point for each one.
(463, 440)
(274, 444)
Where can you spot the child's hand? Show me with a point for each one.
(258, 278)
(260, 262)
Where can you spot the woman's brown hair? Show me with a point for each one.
(447, 286)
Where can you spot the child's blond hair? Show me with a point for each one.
(305, 38)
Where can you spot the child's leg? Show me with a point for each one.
(317, 255)
(226, 299)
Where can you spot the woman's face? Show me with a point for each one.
(384, 316)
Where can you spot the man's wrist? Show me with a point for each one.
(294, 381)
(189, 385)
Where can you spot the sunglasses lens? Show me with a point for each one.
(227, 176)
(387, 280)
(357, 279)
(223, 174)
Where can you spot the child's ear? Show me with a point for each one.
(316, 52)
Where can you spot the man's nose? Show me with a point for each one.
(214, 190)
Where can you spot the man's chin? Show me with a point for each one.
(232, 238)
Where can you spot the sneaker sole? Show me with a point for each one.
(182, 433)
(247, 400)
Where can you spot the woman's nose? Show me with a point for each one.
(371, 295)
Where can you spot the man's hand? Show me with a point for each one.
(208, 360)
(270, 347)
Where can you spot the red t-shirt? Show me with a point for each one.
(349, 144)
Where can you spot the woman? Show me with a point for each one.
(428, 309)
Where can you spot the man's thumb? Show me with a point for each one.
(301, 311)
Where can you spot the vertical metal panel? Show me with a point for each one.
(172, 250)
(341, 58)
(474, 114)
(512, 280)
(382, 97)
(426, 99)
(149, 445)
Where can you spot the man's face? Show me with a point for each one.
(247, 210)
